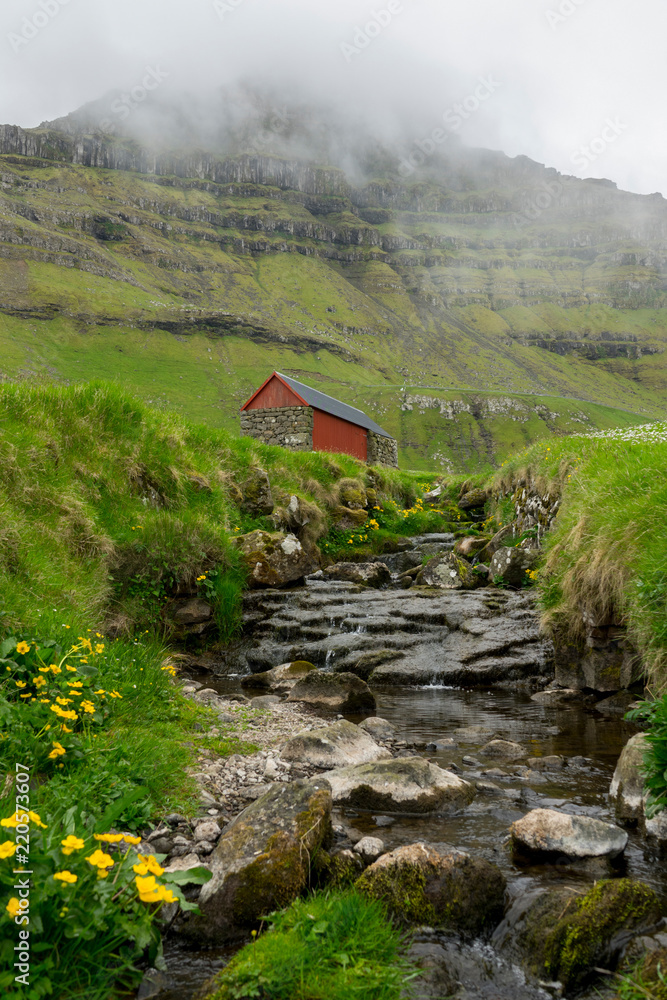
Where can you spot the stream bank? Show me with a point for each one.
(451, 672)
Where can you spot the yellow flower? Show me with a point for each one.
(8, 849)
(63, 714)
(167, 896)
(57, 751)
(20, 684)
(75, 684)
(55, 669)
(71, 843)
(13, 907)
(43, 701)
(34, 818)
(39, 682)
(72, 670)
(23, 648)
(45, 670)
(99, 647)
(115, 694)
(88, 707)
(148, 864)
(65, 729)
(98, 859)
(64, 701)
(149, 890)
(101, 691)
(131, 840)
(66, 877)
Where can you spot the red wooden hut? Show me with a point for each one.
(286, 412)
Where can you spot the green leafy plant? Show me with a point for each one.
(653, 714)
(331, 946)
(91, 914)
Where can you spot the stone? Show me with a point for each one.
(405, 785)
(656, 826)
(194, 611)
(365, 665)
(564, 936)
(378, 728)
(207, 830)
(443, 889)
(337, 692)
(346, 517)
(616, 704)
(511, 566)
(447, 572)
(337, 870)
(370, 848)
(333, 746)
(556, 696)
(257, 495)
(486, 554)
(627, 785)
(473, 499)
(185, 863)
(504, 750)
(280, 679)
(374, 574)
(548, 831)
(607, 669)
(274, 559)
(262, 860)
(550, 763)
(207, 696)
(266, 701)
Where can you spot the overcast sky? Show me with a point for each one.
(575, 84)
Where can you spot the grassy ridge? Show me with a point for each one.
(607, 554)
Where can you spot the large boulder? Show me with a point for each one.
(487, 553)
(280, 679)
(374, 574)
(406, 785)
(336, 692)
(450, 890)
(378, 728)
(511, 566)
(473, 499)
(448, 572)
(261, 862)
(503, 750)
(627, 785)
(274, 559)
(547, 831)
(563, 936)
(333, 746)
(192, 611)
(257, 495)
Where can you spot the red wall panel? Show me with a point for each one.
(274, 393)
(333, 434)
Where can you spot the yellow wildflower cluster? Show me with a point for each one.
(169, 669)
(150, 892)
(58, 751)
(71, 844)
(13, 822)
(115, 838)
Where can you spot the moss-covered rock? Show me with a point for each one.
(257, 495)
(348, 517)
(262, 860)
(448, 572)
(421, 885)
(274, 559)
(406, 785)
(473, 499)
(337, 870)
(563, 936)
(352, 494)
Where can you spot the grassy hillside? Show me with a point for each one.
(606, 555)
(190, 290)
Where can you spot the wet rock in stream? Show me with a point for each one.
(410, 785)
(426, 636)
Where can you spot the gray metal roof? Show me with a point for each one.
(334, 406)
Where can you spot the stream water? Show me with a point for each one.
(426, 715)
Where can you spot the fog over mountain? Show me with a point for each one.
(571, 83)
